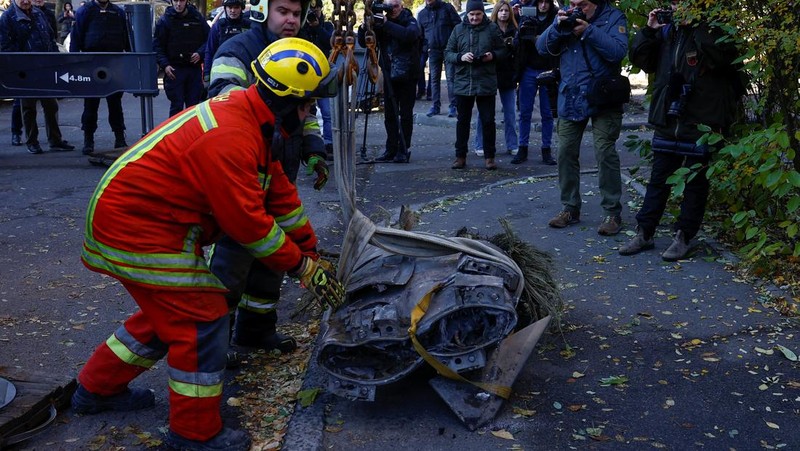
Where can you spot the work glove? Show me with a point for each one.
(317, 164)
(320, 282)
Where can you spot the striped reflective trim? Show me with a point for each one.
(195, 385)
(140, 348)
(311, 126)
(294, 220)
(134, 153)
(127, 355)
(160, 273)
(256, 304)
(269, 244)
(264, 180)
(231, 68)
(206, 116)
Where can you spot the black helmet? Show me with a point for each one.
(233, 3)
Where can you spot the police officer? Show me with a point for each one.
(101, 26)
(179, 43)
(233, 22)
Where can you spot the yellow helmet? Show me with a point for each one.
(295, 67)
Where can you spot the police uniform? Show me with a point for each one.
(224, 29)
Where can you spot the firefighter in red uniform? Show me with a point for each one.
(204, 172)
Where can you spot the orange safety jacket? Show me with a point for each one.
(204, 172)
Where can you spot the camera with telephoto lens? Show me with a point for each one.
(664, 15)
(381, 8)
(571, 21)
(677, 107)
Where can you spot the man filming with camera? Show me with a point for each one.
(399, 38)
(590, 39)
(695, 83)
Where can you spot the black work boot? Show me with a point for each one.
(88, 143)
(258, 330)
(521, 156)
(547, 157)
(119, 140)
(387, 156)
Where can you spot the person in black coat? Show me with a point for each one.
(66, 19)
(399, 40)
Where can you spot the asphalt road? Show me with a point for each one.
(692, 340)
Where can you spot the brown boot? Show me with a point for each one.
(490, 164)
(459, 163)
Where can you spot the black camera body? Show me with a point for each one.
(381, 8)
(664, 15)
(549, 77)
(571, 21)
(677, 107)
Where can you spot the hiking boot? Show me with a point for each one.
(521, 156)
(35, 148)
(88, 143)
(564, 218)
(62, 145)
(432, 112)
(637, 244)
(678, 249)
(490, 164)
(227, 439)
(387, 156)
(611, 225)
(87, 403)
(233, 360)
(119, 140)
(460, 163)
(547, 157)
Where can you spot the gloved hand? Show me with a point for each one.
(317, 164)
(320, 282)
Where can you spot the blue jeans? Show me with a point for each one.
(508, 98)
(324, 105)
(435, 63)
(528, 87)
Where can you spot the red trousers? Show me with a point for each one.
(191, 328)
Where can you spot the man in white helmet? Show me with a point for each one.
(207, 171)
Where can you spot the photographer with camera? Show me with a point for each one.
(590, 39)
(695, 83)
(399, 39)
(530, 64)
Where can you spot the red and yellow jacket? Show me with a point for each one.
(204, 172)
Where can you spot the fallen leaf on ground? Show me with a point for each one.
(503, 434)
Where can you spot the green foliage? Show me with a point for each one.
(755, 184)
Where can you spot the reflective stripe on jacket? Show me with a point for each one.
(204, 172)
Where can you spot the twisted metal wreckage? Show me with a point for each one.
(415, 297)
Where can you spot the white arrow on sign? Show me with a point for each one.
(65, 77)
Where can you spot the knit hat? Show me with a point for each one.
(475, 5)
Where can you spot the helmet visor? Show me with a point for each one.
(328, 87)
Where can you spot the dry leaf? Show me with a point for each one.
(503, 434)
(772, 425)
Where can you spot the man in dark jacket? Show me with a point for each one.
(399, 39)
(101, 26)
(437, 21)
(232, 23)
(694, 84)
(474, 48)
(590, 48)
(319, 31)
(24, 28)
(179, 43)
(255, 289)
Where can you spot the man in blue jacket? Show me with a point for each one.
(437, 21)
(179, 43)
(232, 23)
(101, 26)
(590, 47)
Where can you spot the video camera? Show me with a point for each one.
(664, 15)
(381, 8)
(571, 21)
